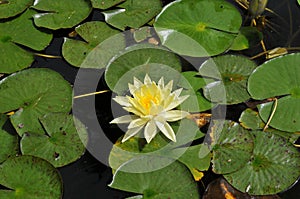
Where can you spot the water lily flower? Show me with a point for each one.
(152, 107)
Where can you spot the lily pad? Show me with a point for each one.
(248, 37)
(10, 8)
(9, 143)
(133, 14)
(105, 4)
(63, 144)
(100, 44)
(29, 177)
(172, 181)
(232, 146)
(198, 28)
(278, 77)
(139, 60)
(273, 168)
(55, 14)
(33, 93)
(231, 73)
(12, 57)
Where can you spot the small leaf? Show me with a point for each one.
(247, 38)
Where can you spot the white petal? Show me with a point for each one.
(123, 119)
(176, 103)
(123, 101)
(130, 133)
(166, 129)
(177, 92)
(133, 110)
(161, 83)
(150, 131)
(137, 123)
(175, 115)
(132, 88)
(169, 86)
(137, 83)
(147, 79)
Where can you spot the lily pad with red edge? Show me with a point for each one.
(29, 177)
(101, 43)
(63, 143)
(33, 93)
(10, 8)
(56, 15)
(198, 28)
(273, 168)
(132, 14)
(232, 146)
(230, 73)
(9, 143)
(13, 57)
(105, 4)
(278, 77)
(172, 181)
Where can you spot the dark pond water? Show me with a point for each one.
(87, 178)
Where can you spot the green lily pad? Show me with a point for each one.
(10, 8)
(133, 14)
(248, 37)
(29, 177)
(172, 181)
(273, 168)
(9, 143)
(57, 14)
(139, 60)
(231, 73)
(105, 4)
(194, 28)
(194, 89)
(12, 57)
(142, 33)
(278, 77)
(63, 144)
(34, 93)
(100, 44)
(232, 146)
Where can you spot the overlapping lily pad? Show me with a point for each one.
(56, 14)
(28, 177)
(279, 77)
(273, 168)
(9, 144)
(133, 14)
(63, 144)
(173, 181)
(105, 4)
(248, 37)
(12, 57)
(198, 28)
(232, 146)
(231, 73)
(139, 60)
(10, 8)
(100, 44)
(33, 93)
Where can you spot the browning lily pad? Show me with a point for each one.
(12, 57)
(273, 168)
(100, 44)
(29, 177)
(198, 28)
(133, 14)
(56, 14)
(64, 142)
(172, 181)
(10, 8)
(278, 77)
(33, 93)
(230, 73)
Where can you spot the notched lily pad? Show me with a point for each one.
(29, 177)
(100, 44)
(194, 28)
(12, 57)
(273, 168)
(64, 143)
(55, 14)
(10, 8)
(33, 93)
(230, 73)
(172, 181)
(133, 14)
